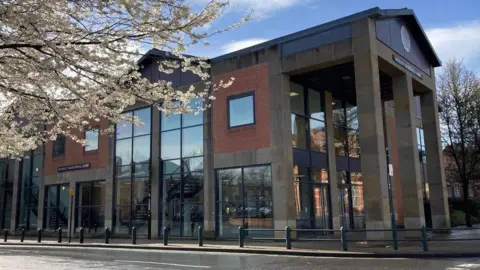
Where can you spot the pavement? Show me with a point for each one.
(60, 258)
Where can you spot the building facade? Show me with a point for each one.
(303, 138)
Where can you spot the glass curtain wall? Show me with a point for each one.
(244, 199)
(29, 187)
(132, 180)
(56, 208)
(181, 151)
(346, 135)
(90, 206)
(6, 193)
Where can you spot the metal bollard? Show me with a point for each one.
(288, 237)
(165, 236)
(343, 238)
(39, 235)
(134, 236)
(394, 237)
(107, 235)
(5, 235)
(82, 234)
(60, 235)
(241, 236)
(200, 236)
(423, 232)
(22, 237)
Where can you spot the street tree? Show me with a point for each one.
(65, 64)
(459, 101)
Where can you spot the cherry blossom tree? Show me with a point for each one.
(67, 63)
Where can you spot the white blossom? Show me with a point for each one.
(66, 64)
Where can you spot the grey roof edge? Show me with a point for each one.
(160, 54)
(301, 33)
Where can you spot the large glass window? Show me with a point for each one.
(351, 199)
(6, 193)
(181, 151)
(132, 170)
(244, 198)
(90, 206)
(241, 110)
(346, 132)
(307, 119)
(91, 138)
(27, 205)
(56, 208)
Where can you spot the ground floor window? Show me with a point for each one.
(90, 206)
(132, 205)
(312, 200)
(56, 207)
(244, 198)
(351, 199)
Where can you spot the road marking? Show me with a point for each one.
(169, 264)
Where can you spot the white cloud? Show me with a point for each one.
(461, 41)
(241, 44)
(261, 7)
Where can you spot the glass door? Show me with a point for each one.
(320, 207)
(56, 207)
(346, 207)
(89, 203)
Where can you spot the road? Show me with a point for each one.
(16, 257)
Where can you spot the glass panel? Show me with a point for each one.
(171, 166)
(320, 175)
(353, 143)
(33, 193)
(123, 152)
(36, 181)
(257, 183)
(241, 111)
(320, 199)
(318, 136)
(52, 196)
(340, 140)
(124, 128)
(170, 146)
(59, 146)
(230, 218)
(352, 116)
(170, 122)
(91, 138)
(122, 218)
(338, 113)
(144, 116)
(123, 192)
(341, 177)
(303, 204)
(32, 224)
(230, 185)
(299, 131)
(172, 187)
(142, 170)
(97, 218)
(26, 171)
(124, 171)
(98, 193)
(63, 194)
(37, 165)
(193, 187)
(192, 119)
(140, 218)
(297, 99)
(173, 213)
(192, 218)
(141, 149)
(258, 215)
(192, 141)
(315, 105)
(300, 173)
(141, 191)
(193, 164)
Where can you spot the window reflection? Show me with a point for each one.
(297, 99)
(340, 142)
(315, 105)
(170, 122)
(192, 141)
(91, 138)
(318, 136)
(144, 116)
(123, 152)
(124, 128)
(170, 146)
(141, 146)
(241, 111)
(193, 119)
(299, 131)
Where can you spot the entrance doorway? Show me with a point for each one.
(90, 206)
(312, 207)
(56, 207)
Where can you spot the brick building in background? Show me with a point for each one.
(298, 140)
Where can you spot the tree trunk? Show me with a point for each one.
(466, 202)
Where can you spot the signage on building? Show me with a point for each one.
(73, 167)
(407, 66)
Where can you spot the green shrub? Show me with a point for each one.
(457, 218)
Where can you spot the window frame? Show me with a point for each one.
(98, 140)
(239, 96)
(54, 155)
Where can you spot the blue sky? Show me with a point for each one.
(453, 26)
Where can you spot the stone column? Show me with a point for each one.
(408, 161)
(209, 176)
(435, 167)
(156, 180)
(372, 142)
(17, 166)
(335, 209)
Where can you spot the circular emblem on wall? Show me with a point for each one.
(405, 38)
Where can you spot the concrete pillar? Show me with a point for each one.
(15, 194)
(335, 209)
(372, 142)
(435, 167)
(208, 176)
(156, 181)
(408, 162)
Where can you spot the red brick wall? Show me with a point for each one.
(74, 154)
(254, 78)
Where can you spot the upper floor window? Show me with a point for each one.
(241, 110)
(58, 149)
(91, 139)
